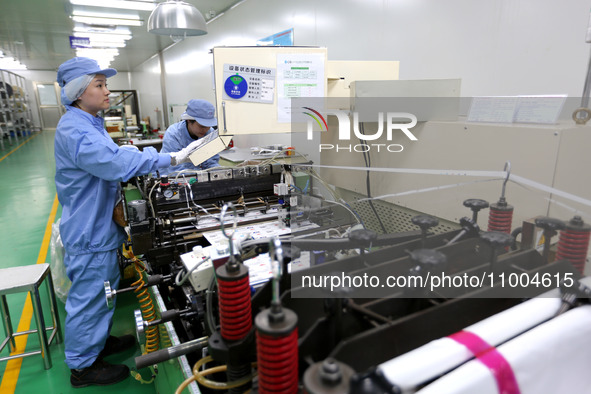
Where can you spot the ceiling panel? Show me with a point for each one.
(37, 32)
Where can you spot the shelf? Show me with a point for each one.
(15, 107)
(122, 114)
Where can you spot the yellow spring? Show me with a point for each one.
(164, 338)
(146, 303)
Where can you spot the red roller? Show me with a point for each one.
(574, 242)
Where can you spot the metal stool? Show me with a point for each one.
(29, 278)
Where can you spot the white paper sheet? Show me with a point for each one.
(298, 75)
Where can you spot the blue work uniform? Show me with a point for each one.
(176, 138)
(89, 167)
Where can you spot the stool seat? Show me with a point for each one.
(19, 279)
(29, 278)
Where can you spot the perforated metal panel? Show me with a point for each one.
(394, 218)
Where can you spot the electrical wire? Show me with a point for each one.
(272, 159)
(137, 376)
(150, 198)
(181, 172)
(137, 184)
(190, 195)
(209, 318)
(335, 230)
(335, 195)
(427, 189)
(180, 282)
(199, 376)
(195, 171)
(348, 209)
(222, 385)
(312, 172)
(367, 159)
(234, 222)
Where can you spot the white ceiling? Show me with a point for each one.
(37, 32)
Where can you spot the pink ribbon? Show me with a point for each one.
(491, 358)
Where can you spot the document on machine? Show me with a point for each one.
(211, 144)
(541, 109)
(298, 75)
(260, 270)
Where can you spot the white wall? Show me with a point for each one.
(497, 47)
(121, 81)
(146, 80)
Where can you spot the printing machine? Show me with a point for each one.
(220, 257)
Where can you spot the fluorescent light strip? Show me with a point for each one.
(237, 4)
(109, 30)
(214, 18)
(107, 21)
(113, 52)
(103, 63)
(98, 54)
(117, 15)
(120, 4)
(103, 37)
(11, 63)
(106, 44)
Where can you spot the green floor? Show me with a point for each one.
(27, 194)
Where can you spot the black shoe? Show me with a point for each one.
(117, 344)
(100, 373)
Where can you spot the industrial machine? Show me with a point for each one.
(251, 281)
(264, 278)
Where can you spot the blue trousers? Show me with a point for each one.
(88, 320)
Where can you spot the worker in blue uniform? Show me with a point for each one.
(89, 167)
(196, 122)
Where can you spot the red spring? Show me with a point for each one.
(572, 246)
(500, 220)
(235, 310)
(277, 359)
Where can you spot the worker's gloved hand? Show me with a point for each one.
(182, 156)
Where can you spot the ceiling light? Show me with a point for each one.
(107, 18)
(176, 19)
(120, 4)
(11, 63)
(106, 44)
(104, 37)
(106, 52)
(111, 30)
(118, 15)
(237, 4)
(107, 21)
(215, 17)
(98, 53)
(102, 61)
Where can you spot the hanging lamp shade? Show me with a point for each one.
(176, 18)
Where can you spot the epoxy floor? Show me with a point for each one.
(28, 208)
